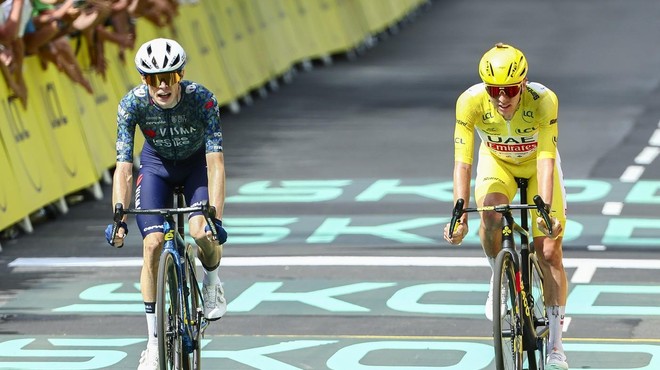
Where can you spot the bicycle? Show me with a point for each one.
(522, 328)
(181, 322)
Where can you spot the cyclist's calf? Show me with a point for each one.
(549, 250)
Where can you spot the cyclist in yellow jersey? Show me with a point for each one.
(517, 123)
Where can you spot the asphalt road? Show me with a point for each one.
(339, 184)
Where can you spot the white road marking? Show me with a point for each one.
(585, 268)
(655, 138)
(632, 174)
(612, 208)
(647, 155)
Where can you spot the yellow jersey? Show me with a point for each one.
(530, 134)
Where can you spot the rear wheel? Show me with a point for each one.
(507, 335)
(170, 349)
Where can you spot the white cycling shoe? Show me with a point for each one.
(556, 361)
(149, 359)
(488, 310)
(215, 304)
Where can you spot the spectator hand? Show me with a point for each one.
(460, 231)
(118, 239)
(222, 234)
(556, 227)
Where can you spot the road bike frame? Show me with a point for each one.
(181, 321)
(523, 327)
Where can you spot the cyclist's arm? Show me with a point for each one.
(215, 163)
(545, 173)
(122, 184)
(122, 181)
(466, 115)
(547, 150)
(462, 176)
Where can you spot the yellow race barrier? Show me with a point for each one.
(39, 181)
(12, 201)
(65, 141)
(61, 127)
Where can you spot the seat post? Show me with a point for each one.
(522, 185)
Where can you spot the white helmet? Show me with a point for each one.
(160, 55)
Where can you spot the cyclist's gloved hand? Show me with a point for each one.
(556, 227)
(122, 231)
(459, 233)
(222, 234)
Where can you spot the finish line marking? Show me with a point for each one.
(585, 268)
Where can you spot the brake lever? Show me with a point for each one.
(543, 210)
(455, 215)
(118, 215)
(209, 215)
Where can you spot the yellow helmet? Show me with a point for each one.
(503, 65)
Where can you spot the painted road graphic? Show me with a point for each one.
(340, 298)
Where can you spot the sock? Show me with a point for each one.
(211, 277)
(491, 262)
(150, 310)
(556, 323)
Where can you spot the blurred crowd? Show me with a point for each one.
(54, 30)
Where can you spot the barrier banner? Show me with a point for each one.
(11, 199)
(352, 22)
(206, 65)
(254, 27)
(377, 14)
(308, 33)
(38, 182)
(227, 47)
(279, 40)
(103, 100)
(60, 127)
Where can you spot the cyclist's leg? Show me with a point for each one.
(209, 251)
(152, 191)
(550, 255)
(494, 184)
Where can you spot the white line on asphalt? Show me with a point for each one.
(655, 138)
(612, 208)
(632, 174)
(647, 155)
(584, 267)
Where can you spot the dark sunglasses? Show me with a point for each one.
(510, 91)
(170, 78)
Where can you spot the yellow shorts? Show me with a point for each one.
(497, 176)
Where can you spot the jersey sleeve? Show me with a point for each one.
(466, 112)
(548, 130)
(211, 115)
(126, 122)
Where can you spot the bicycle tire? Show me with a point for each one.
(536, 357)
(507, 335)
(168, 314)
(194, 303)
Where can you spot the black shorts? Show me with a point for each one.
(157, 179)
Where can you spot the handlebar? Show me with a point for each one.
(207, 210)
(539, 205)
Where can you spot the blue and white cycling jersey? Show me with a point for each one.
(174, 134)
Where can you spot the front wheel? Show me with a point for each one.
(170, 348)
(507, 334)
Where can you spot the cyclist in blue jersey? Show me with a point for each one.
(183, 147)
